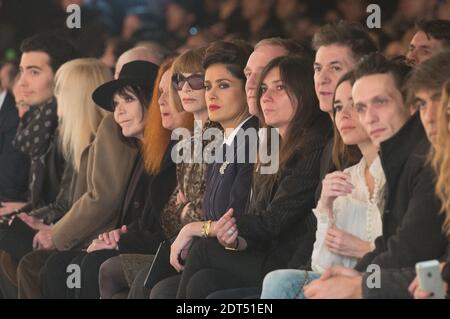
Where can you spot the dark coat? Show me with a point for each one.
(412, 224)
(57, 209)
(50, 179)
(232, 188)
(282, 223)
(394, 283)
(144, 210)
(14, 165)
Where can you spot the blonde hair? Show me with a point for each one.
(441, 156)
(156, 137)
(74, 83)
(189, 62)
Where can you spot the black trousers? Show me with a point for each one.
(210, 267)
(17, 239)
(54, 276)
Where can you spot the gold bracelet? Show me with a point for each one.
(205, 228)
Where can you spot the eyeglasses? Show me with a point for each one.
(196, 81)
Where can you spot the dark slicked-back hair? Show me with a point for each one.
(343, 33)
(59, 49)
(234, 54)
(437, 29)
(376, 63)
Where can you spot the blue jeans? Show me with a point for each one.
(287, 283)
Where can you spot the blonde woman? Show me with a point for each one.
(79, 118)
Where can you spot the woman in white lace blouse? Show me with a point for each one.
(349, 210)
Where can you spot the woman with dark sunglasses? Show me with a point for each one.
(227, 182)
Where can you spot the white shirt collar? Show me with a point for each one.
(229, 140)
(2, 98)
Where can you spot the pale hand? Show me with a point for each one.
(342, 243)
(112, 237)
(180, 247)
(226, 230)
(333, 185)
(336, 283)
(33, 222)
(9, 207)
(43, 240)
(98, 244)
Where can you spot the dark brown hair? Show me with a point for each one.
(296, 73)
(437, 29)
(376, 63)
(234, 54)
(343, 33)
(59, 49)
(430, 75)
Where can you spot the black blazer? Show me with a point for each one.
(412, 224)
(232, 188)
(14, 165)
(282, 225)
(143, 211)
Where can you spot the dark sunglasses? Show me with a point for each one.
(196, 81)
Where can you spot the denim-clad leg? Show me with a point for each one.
(287, 283)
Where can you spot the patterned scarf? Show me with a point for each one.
(34, 135)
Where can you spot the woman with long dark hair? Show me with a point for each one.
(348, 212)
(279, 215)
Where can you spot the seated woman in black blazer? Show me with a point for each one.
(279, 215)
(227, 179)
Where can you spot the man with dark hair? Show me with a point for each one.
(338, 48)
(431, 38)
(55, 46)
(42, 55)
(412, 225)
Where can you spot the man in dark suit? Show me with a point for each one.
(14, 165)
